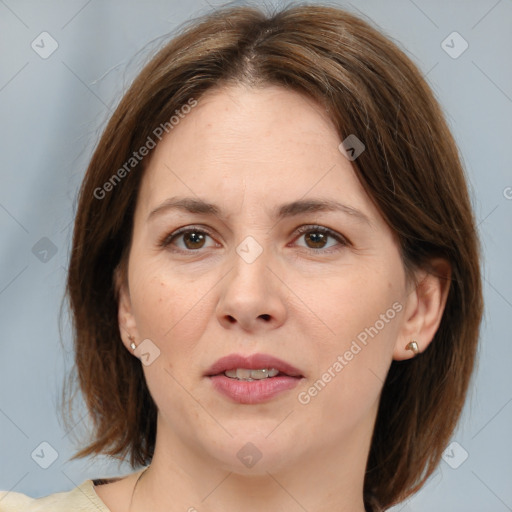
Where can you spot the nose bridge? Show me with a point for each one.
(250, 270)
(250, 295)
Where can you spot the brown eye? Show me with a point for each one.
(188, 240)
(319, 237)
(194, 239)
(316, 240)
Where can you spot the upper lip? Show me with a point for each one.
(252, 362)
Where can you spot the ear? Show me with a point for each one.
(424, 308)
(126, 320)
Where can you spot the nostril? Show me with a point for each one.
(232, 320)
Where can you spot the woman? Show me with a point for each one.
(274, 275)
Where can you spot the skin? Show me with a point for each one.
(248, 151)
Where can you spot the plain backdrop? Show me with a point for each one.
(52, 109)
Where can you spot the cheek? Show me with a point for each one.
(356, 299)
(362, 310)
(351, 370)
(169, 309)
(174, 315)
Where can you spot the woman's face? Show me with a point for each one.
(252, 235)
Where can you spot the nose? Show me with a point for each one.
(251, 298)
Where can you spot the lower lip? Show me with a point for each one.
(253, 392)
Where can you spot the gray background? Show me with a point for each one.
(51, 114)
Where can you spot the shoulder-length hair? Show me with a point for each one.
(410, 168)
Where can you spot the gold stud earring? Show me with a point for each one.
(132, 342)
(413, 345)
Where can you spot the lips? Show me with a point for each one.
(252, 362)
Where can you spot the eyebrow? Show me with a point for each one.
(198, 206)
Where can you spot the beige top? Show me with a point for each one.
(80, 499)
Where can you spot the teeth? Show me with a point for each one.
(250, 375)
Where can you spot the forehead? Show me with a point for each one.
(243, 144)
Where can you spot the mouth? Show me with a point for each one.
(253, 379)
(254, 367)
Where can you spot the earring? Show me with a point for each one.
(413, 345)
(132, 344)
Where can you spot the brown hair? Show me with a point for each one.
(410, 168)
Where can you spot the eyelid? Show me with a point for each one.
(306, 228)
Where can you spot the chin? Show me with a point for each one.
(250, 452)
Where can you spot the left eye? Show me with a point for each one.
(318, 237)
(188, 239)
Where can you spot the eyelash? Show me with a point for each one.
(302, 230)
